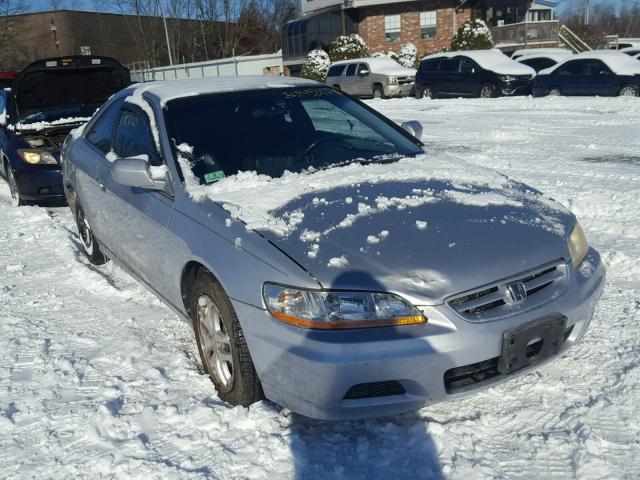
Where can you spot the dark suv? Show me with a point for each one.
(481, 73)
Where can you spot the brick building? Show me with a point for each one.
(128, 38)
(388, 24)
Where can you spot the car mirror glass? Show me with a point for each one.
(136, 172)
(413, 127)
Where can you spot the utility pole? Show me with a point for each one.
(586, 12)
(56, 42)
(204, 41)
(166, 34)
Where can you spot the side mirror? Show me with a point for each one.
(413, 127)
(136, 172)
(364, 72)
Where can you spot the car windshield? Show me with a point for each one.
(276, 130)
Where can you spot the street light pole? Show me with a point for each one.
(166, 34)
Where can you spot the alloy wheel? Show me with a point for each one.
(13, 188)
(555, 92)
(427, 92)
(85, 232)
(216, 344)
(486, 92)
(629, 91)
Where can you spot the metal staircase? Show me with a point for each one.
(571, 40)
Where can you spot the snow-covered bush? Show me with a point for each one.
(472, 35)
(316, 65)
(346, 47)
(390, 54)
(408, 55)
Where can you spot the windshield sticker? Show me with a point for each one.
(309, 92)
(213, 176)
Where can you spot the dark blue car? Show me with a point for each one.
(605, 73)
(48, 99)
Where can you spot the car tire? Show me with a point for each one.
(90, 246)
(486, 91)
(378, 91)
(554, 92)
(628, 91)
(427, 92)
(217, 329)
(16, 199)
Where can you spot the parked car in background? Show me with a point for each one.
(48, 99)
(539, 51)
(476, 73)
(275, 266)
(542, 61)
(605, 73)
(371, 77)
(631, 51)
(6, 78)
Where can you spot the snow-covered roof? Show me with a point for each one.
(630, 49)
(189, 87)
(381, 65)
(556, 56)
(619, 63)
(493, 60)
(538, 51)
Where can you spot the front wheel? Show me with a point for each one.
(16, 200)
(378, 92)
(427, 92)
(221, 343)
(554, 92)
(628, 91)
(90, 247)
(486, 91)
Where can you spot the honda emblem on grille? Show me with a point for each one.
(514, 293)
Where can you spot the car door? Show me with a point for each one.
(93, 169)
(570, 77)
(349, 79)
(139, 215)
(599, 79)
(468, 79)
(448, 72)
(362, 82)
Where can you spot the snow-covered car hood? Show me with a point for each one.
(427, 228)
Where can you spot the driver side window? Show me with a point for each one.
(133, 136)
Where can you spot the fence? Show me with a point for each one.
(526, 33)
(270, 64)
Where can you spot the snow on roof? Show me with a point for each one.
(380, 65)
(619, 63)
(530, 51)
(493, 60)
(630, 49)
(189, 87)
(556, 56)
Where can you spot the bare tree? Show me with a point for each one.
(9, 30)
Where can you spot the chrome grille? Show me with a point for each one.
(490, 302)
(405, 80)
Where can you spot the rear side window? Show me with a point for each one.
(102, 130)
(133, 136)
(539, 63)
(336, 71)
(596, 67)
(466, 66)
(574, 67)
(351, 69)
(430, 65)
(447, 65)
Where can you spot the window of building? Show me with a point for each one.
(392, 28)
(539, 15)
(428, 23)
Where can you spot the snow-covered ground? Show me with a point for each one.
(99, 379)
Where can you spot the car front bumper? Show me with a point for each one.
(403, 90)
(311, 371)
(513, 88)
(35, 184)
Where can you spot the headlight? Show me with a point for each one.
(37, 157)
(508, 78)
(578, 245)
(334, 310)
(393, 81)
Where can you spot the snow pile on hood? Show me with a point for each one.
(43, 125)
(493, 60)
(254, 198)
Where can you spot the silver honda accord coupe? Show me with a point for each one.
(326, 261)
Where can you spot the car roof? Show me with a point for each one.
(168, 90)
(557, 56)
(378, 64)
(493, 60)
(620, 63)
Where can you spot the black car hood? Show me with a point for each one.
(67, 82)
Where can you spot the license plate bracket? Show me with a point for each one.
(531, 343)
